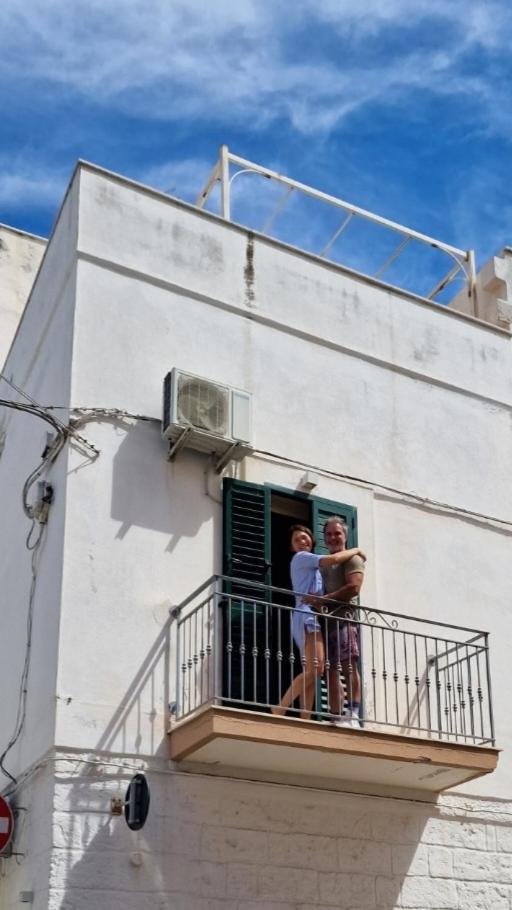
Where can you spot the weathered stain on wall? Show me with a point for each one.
(250, 296)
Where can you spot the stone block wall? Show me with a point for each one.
(213, 843)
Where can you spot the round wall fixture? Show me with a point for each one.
(136, 803)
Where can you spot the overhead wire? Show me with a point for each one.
(43, 412)
(38, 518)
(86, 414)
(49, 455)
(21, 711)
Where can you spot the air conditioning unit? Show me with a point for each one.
(205, 415)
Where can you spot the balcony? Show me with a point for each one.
(426, 716)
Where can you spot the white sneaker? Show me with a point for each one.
(342, 721)
(355, 723)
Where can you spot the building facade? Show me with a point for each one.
(399, 412)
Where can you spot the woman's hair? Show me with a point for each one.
(305, 530)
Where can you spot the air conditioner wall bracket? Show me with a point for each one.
(230, 453)
(179, 443)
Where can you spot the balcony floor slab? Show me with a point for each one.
(228, 737)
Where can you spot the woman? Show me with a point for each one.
(306, 579)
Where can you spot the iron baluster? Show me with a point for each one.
(327, 621)
(179, 685)
(292, 655)
(195, 658)
(316, 707)
(438, 692)
(460, 693)
(417, 680)
(279, 655)
(385, 673)
(427, 683)
(209, 662)
(304, 662)
(350, 680)
(456, 712)
(471, 699)
(374, 673)
(267, 658)
(229, 648)
(342, 689)
(447, 700)
(395, 678)
(489, 698)
(480, 695)
(201, 658)
(242, 650)
(254, 655)
(406, 679)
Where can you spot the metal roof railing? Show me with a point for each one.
(230, 167)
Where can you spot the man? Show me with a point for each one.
(342, 582)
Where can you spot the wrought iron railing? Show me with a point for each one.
(234, 646)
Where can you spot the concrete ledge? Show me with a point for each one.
(231, 737)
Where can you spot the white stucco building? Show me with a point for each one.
(400, 410)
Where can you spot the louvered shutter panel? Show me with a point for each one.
(245, 622)
(322, 510)
(246, 532)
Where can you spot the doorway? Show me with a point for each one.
(259, 655)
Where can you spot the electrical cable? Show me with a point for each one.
(42, 412)
(372, 484)
(450, 807)
(23, 691)
(87, 414)
(50, 453)
(33, 546)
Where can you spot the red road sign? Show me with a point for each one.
(6, 823)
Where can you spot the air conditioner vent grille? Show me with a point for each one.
(203, 405)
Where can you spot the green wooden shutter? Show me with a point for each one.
(322, 510)
(246, 624)
(246, 531)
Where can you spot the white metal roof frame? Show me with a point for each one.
(461, 260)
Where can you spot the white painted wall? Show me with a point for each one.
(30, 869)
(346, 377)
(39, 363)
(20, 258)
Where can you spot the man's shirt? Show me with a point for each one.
(335, 577)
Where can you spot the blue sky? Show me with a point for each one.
(400, 106)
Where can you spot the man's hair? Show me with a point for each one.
(339, 521)
(304, 530)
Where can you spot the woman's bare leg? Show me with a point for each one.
(304, 685)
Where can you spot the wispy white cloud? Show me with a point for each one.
(231, 60)
(22, 183)
(289, 76)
